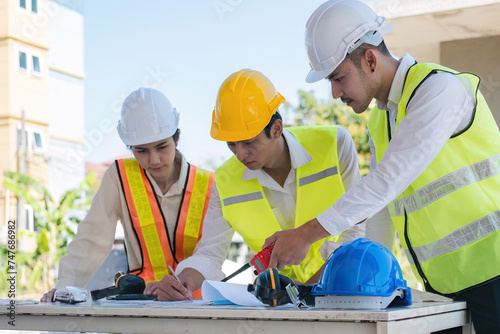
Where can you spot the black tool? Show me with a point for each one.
(260, 262)
(124, 284)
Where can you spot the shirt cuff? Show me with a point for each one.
(203, 266)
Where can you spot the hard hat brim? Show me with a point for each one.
(228, 136)
(145, 140)
(315, 76)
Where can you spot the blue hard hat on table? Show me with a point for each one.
(362, 267)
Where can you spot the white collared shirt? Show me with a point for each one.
(217, 232)
(441, 106)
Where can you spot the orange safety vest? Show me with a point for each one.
(148, 221)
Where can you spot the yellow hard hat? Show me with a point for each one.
(245, 104)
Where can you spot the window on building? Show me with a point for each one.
(36, 64)
(34, 140)
(22, 61)
(30, 62)
(24, 6)
(29, 223)
(37, 143)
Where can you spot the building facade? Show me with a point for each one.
(41, 95)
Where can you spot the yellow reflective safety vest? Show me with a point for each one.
(448, 219)
(158, 247)
(319, 186)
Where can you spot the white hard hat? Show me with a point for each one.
(337, 28)
(147, 116)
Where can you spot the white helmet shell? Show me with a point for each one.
(337, 28)
(147, 116)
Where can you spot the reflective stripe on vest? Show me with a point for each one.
(148, 221)
(243, 198)
(446, 185)
(447, 219)
(245, 206)
(302, 182)
(318, 176)
(457, 239)
(193, 209)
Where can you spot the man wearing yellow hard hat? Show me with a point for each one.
(277, 179)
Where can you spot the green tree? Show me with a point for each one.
(313, 111)
(52, 226)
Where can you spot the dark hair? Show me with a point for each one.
(267, 129)
(357, 54)
(176, 136)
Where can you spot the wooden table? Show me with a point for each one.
(186, 317)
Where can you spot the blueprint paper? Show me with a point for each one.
(228, 293)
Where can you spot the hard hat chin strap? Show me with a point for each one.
(300, 295)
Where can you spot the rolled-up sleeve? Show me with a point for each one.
(94, 238)
(211, 250)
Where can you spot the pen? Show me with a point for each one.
(177, 278)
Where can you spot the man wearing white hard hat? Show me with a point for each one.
(435, 160)
(152, 195)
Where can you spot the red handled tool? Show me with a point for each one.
(260, 262)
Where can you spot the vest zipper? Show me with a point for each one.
(174, 239)
(427, 285)
(388, 125)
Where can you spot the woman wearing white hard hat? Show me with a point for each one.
(159, 198)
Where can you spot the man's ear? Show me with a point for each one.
(371, 60)
(277, 129)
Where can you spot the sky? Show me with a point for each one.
(186, 49)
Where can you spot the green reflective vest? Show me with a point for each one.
(448, 219)
(319, 185)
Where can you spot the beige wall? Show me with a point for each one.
(22, 30)
(4, 22)
(464, 38)
(28, 92)
(480, 56)
(28, 26)
(5, 126)
(4, 78)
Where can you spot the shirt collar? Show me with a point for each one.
(298, 156)
(397, 84)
